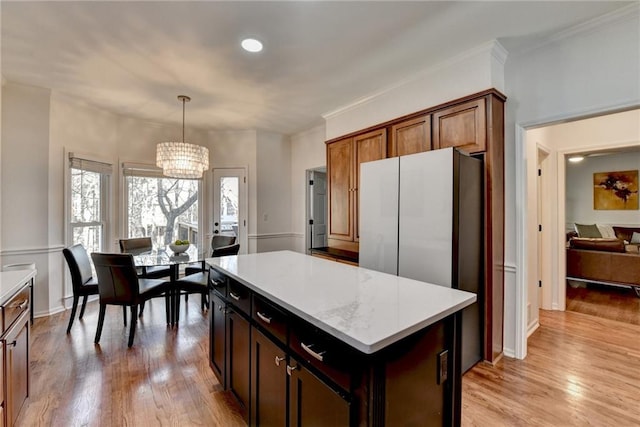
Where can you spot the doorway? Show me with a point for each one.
(604, 132)
(316, 208)
(230, 204)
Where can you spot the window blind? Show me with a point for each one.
(89, 165)
(141, 169)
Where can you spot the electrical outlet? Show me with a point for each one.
(443, 366)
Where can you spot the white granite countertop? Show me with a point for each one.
(366, 309)
(12, 281)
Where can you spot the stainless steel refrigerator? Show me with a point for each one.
(421, 218)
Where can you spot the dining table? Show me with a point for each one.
(165, 257)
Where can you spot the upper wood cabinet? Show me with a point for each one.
(339, 183)
(410, 136)
(343, 176)
(463, 126)
(473, 124)
(368, 147)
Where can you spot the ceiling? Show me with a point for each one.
(135, 58)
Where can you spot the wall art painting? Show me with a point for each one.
(615, 190)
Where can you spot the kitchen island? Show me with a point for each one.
(301, 340)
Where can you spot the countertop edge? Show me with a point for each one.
(20, 277)
(358, 345)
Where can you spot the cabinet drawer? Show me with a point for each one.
(14, 307)
(217, 282)
(240, 296)
(334, 359)
(270, 318)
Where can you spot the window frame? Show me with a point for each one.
(105, 197)
(146, 170)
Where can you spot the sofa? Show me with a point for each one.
(606, 260)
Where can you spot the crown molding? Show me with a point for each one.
(492, 47)
(625, 13)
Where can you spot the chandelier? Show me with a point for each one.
(182, 160)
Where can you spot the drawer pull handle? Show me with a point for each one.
(278, 360)
(22, 305)
(216, 283)
(234, 296)
(307, 348)
(264, 318)
(290, 369)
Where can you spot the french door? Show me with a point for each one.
(230, 204)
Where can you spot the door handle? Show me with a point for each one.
(290, 369)
(278, 360)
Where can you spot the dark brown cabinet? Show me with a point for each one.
(14, 351)
(463, 126)
(313, 402)
(217, 337)
(269, 382)
(238, 357)
(410, 136)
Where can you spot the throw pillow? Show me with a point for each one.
(606, 231)
(588, 230)
(635, 238)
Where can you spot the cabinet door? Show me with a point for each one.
(463, 126)
(238, 357)
(411, 136)
(313, 403)
(268, 382)
(368, 147)
(17, 367)
(340, 187)
(217, 337)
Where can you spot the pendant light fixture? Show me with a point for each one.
(182, 160)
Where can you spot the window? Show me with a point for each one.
(88, 190)
(165, 209)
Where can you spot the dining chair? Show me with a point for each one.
(220, 246)
(119, 284)
(82, 280)
(140, 245)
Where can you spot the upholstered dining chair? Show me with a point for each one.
(82, 280)
(196, 279)
(119, 284)
(137, 246)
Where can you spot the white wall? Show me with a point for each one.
(39, 127)
(307, 152)
(273, 192)
(585, 71)
(469, 72)
(25, 183)
(579, 190)
(232, 149)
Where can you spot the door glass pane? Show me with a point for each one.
(229, 192)
(164, 209)
(85, 196)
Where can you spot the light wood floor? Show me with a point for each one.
(580, 370)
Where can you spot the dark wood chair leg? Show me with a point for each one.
(84, 304)
(134, 320)
(203, 301)
(141, 308)
(167, 306)
(124, 315)
(103, 309)
(73, 312)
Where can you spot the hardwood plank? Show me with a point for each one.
(580, 370)
(164, 379)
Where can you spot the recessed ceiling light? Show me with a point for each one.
(576, 159)
(252, 45)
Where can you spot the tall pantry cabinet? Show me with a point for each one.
(473, 124)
